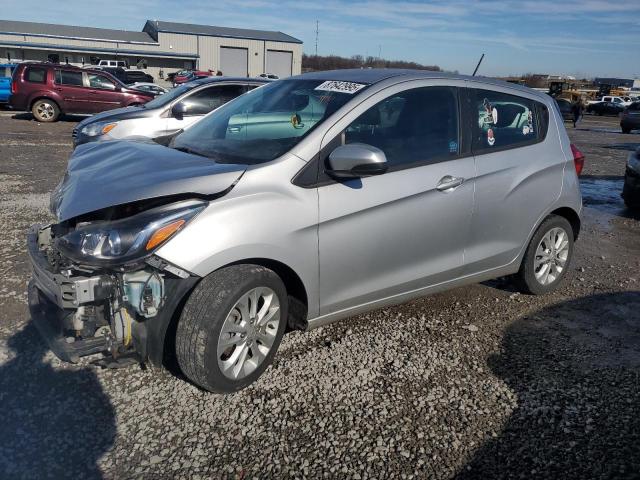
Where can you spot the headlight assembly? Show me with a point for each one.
(127, 240)
(98, 128)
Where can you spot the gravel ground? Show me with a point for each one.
(479, 382)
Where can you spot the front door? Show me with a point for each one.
(103, 93)
(396, 233)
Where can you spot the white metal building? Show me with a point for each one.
(159, 47)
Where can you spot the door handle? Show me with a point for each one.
(233, 129)
(449, 184)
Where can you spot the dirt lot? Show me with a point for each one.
(479, 382)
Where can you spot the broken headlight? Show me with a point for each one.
(130, 239)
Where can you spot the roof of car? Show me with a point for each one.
(201, 81)
(375, 75)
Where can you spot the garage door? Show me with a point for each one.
(279, 62)
(234, 61)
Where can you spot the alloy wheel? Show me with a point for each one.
(551, 256)
(248, 333)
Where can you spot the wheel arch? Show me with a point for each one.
(44, 97)
(571, 216)
(160, 337)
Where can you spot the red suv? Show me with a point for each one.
(49, 90)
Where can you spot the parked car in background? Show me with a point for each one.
(137, 76)
(611, 99)
(6, 71)
(631, 189)
(270, 76)
(303, 202)
(49, 90)
(566, 109)
(166, 114)
(190, 76)
(605, 108)
(171, 76)
(149, 87)
(630, 118)
(127, 76)
(113, 63)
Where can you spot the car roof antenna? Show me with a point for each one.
(478, 66)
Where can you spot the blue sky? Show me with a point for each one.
(574, 37)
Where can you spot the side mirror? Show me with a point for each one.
(179, 110)
(356, 160)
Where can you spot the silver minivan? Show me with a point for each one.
(304, 202)
(165, 114)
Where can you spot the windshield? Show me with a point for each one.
(267, 122)
(168, 97)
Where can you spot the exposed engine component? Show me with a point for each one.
(144, 292)
(122, 326)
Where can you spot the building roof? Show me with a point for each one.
(212, 31)
(70, 31)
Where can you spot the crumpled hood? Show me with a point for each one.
(106, 174)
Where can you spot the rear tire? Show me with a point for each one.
(45, 110)
(547, 258)
(231, 327)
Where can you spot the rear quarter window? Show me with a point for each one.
(503, 121)
(36, 75)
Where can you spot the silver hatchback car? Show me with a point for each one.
(167, 113)
(301, 203)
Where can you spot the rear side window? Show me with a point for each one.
(634, 107)
(208, 99)
(504, 121)
(36, 75)
(413, 127)
(65, 77)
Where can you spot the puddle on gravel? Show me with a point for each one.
(604, 194)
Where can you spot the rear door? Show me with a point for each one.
(103, 93)
(201, 101)
(519, 168)
(396, 233)
(70, 86)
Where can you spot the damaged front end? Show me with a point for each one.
(97, 286)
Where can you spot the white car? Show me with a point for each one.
(149, 87)
(612, 99)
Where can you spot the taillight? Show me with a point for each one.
(14, 86)
(578, 159)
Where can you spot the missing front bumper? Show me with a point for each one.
(49, 320)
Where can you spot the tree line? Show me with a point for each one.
(312, 63)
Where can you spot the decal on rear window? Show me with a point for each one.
(342, 87)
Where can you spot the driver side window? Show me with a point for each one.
(413, 127)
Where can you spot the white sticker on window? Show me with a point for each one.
(342, 87)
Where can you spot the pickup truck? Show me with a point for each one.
(6, 70)
(612, 99)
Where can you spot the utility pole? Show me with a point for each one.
(317, 28)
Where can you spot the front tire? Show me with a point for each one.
(626, 130)
(45, 110)
(231, 327)
(547, 258)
